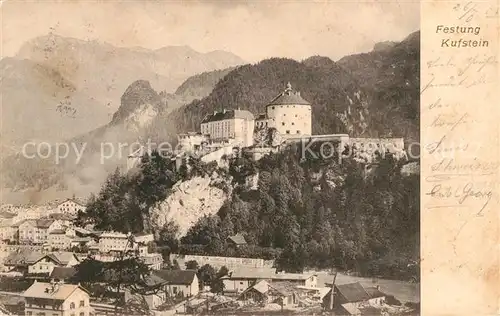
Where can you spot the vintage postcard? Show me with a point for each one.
(249, 158)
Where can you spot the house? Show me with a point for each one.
(19, 261)
(33, 231)
(60, 239)
(298, 279)
(46, 263)
(144, 239)
(56, 299)
(263, 292)
(236, 240)
(351, 298)
(114, 242)
(179, 282)
(239, 280)
(153, 298)
(62, 274)
(377, 297)
(7, 231)
(70, 206)
(154, 261)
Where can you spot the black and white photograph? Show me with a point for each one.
(210, 158)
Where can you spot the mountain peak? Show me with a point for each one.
(137, 95)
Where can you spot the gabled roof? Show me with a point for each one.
(62, 258)
(81, 203)
(62, 273)
(238, 239)
(176, 276)
(353, 292)
(289, 97)
(22, 258)
(291, 276)
(252, 273)
(374, 292)
(51, 291)
(228, 114)
(44, 223)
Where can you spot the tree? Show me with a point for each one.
(206, 275)
(192, 265)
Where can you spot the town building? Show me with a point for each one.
(36, 231)
(240, 279)
(237, 240)
(46, 263)
(56, 299)
(263, 292)
(61, 239)
(70, 206)
(229, 127)
(183, 283)
(62, 274)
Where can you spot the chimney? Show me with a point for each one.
(378, 287)
(215, 112)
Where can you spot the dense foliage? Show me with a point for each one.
(307, 212)
(377, 91)
(324, 215)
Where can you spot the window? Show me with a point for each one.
(283, 123)
(82, 314)
(298, 132)
(293, 123)
(288, 132)
(174, 289)
(29, 313)
(241, 283)
(82, 303)
(72, 305)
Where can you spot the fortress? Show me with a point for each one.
(288, 115)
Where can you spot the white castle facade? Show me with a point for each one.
(288, 113)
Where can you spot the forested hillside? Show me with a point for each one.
(373, 94)
(315, 212)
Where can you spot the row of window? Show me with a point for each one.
(29, 313)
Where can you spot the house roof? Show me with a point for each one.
(289, 97)
(57, 232)
(176, 276)
(374, 292)
(62, 257)
(353, 292)
(252, 273)
(228, 114)
(291, 276)
(7, 215)
(50, 291)
(62, 273)
(77, 201)
(44, 223)
(238, 239)
(22, 258)
(284, 288)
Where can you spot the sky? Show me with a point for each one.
(252, 30)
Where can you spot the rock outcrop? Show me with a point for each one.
(189, 201)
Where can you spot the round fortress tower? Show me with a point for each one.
(290, 114)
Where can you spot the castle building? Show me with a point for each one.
(229, 126)
(289, 114)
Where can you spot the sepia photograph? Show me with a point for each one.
(210, 158)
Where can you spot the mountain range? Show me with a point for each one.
(63, 87)
(373, 94)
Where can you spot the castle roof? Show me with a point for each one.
(228, 114)
(289, 96)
